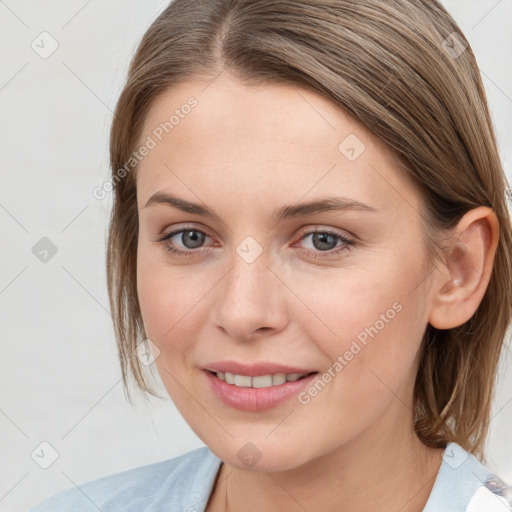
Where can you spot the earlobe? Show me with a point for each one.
(467, 270)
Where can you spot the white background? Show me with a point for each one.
(60, 377)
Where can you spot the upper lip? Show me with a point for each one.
(255, 369)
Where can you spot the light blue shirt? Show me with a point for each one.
(184, 484)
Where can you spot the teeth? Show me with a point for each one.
(261, 381)
(278, 378)
(243, 381)
(291, 377)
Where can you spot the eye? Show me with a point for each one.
(191, 237)
(324, 242)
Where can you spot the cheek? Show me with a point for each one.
(367, 323)
(167, 307)
(169, 298)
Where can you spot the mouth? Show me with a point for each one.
(257, 393)
(260, 381)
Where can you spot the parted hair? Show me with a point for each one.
(405, 70)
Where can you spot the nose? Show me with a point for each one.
(251, 301)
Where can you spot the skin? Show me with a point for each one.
(245, 151)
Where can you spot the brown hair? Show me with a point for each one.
(402, 68)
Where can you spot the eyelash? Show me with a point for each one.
(346, 243)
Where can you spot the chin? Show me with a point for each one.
(259, 455)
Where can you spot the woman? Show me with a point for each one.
(310, 234)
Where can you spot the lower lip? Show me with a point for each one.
(256, 399)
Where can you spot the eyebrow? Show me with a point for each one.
(284, 212)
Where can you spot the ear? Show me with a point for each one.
(467, 270)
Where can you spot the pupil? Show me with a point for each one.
(193, 237)
(321, 237)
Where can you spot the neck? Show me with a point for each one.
(380, 470)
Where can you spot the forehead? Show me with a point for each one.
(262, 141)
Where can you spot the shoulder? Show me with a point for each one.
(184, 481)
(464, 484)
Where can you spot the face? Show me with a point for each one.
(343, 292)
